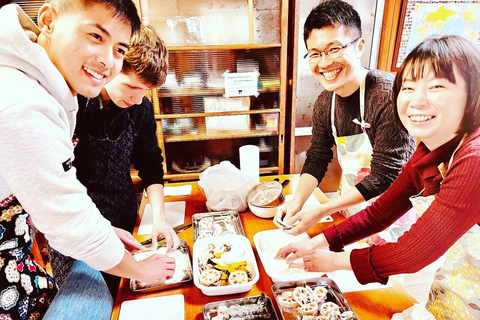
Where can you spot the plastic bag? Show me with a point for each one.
(225, 187)
(417, 312)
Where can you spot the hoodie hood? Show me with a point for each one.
(19, 50)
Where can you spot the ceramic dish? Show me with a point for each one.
(258, 307)
(220, 223)
(312, 298)
(268, 243)
(224, 265)
(183, 268)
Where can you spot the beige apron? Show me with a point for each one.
(455, 291)
(354, 153)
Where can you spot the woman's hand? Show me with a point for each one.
(163, 228)
(131, 244)
(157, 266)
(324, 260)
(295, 250)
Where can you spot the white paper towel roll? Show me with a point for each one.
(250, 161)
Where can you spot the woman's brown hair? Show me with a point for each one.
(442, 54)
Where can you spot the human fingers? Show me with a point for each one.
(284, 252)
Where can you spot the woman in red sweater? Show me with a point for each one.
(438, 102)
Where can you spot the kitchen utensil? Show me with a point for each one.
(177, 229)
(262, 212)
(267, 194)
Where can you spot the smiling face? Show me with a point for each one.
(342, 74)
(430, 108)
(87, 46)
(125, 90)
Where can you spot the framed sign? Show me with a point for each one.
(420, 19)
(241, 84)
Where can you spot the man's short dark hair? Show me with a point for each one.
(331, 13)
(123, 9)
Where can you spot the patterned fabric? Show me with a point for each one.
(455, 291)
(26, 289)
(354, 153)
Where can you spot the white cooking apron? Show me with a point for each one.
(455, 291)
(354, 153)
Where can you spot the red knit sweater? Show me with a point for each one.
(455, 210)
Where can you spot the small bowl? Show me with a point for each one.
(263, 212)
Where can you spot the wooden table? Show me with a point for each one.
(368, 305)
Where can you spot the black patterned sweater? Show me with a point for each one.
(392, 147)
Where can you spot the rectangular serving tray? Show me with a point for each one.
(264, 302)
(185, 270)
(209, 224)
(333, 295)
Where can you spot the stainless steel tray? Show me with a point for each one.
(211, 224)
(333, 295)
(183, 269)
(257, 307)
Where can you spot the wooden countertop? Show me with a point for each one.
(375, 304)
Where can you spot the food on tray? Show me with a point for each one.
(305, 303)
(242, 309)
(268, 243)
(183, 268)
(216, 225)
(217, 270)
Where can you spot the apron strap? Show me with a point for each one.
(361, 123)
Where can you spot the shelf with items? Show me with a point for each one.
(202, 119)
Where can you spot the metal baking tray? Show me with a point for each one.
(257, 307)
(183, 268)
(333, 295)
(219, 223)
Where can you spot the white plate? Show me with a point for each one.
(268, 243)
(236, 241)
(166, 307)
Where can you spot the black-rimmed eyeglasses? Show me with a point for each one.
(332, 52)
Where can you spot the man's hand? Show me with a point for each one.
(286, 211)
(163, 228)
(130, 243)
(157, 266)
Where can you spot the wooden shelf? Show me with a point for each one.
(175, 176)
(224, 47)
(192, 91)
(210, 114)
(220, 134)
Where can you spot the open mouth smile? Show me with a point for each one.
(94, 74)
(421, 118)
(330, 75)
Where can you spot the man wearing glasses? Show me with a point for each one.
(353, 113)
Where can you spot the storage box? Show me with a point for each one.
(230, 122)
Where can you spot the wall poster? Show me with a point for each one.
(423, 18)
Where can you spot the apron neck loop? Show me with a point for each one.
(364, 125)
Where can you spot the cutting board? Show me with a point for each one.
(166, 308)
(175, 212)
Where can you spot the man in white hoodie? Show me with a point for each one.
(77, 47)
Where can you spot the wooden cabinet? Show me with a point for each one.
(196, 125)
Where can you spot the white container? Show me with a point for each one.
(237, 242)
(268, 243)
(250, 161)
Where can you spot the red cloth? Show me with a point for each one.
(456, 209)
